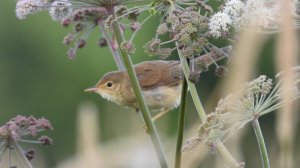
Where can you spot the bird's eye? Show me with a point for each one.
(109, 84)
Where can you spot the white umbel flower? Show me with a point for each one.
(218, 23)
(60, 10)
(264, 13)
(267, 13)
(235, 9)
(26, 7)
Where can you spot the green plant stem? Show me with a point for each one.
(193, 90)
(181, 123)
(139, 97)
(113, 51)
(261, 143)
(226, 154)
(201, 112)
(194, 93)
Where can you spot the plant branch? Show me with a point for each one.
(181, 119)
(261, 143)
(226, 154)
(139, 97)
(201, 112)
(194, 94)
(113, 51)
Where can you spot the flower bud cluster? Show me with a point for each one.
(18, 129)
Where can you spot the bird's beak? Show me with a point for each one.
(91, 89)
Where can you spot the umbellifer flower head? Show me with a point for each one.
(85, 15)
(219, 23)
(256, 98)
(60, 10)
(128, 47)
(26, 7)
(17, 131)
(263, 13)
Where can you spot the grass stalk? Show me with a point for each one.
(181, 120)
(140, 99)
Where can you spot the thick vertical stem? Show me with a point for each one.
(139, 97)
(261, 143)
(181, 123)
(201, 112)
(194, 94)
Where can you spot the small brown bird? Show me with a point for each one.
(161, 89)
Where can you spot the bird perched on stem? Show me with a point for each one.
(160, 82)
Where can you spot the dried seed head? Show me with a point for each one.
(79, 27)
(66, 22)
(29, 154)
(68, 39)
(191, 143)
(102, 42)
(44, 140)
(162, 29)
(152, 47)
(187, 52)
(177, 73)
(128, 47)
(18, 129)
(81, 43)
(266, 86)
(194, 77)
(164, 53)
(189, 28)
(183, 38)
(72, 53)
(221, 71)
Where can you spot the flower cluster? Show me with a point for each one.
(85, 15)
(219, 24)
(240, 14)
(60, 10)
(84, 21)
(19, 128)
(27, 7)
(257, 98)
(188, 31)
(187, 28)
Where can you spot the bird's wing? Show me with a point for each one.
(156, 73)
(148, 74)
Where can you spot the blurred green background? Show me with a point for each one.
(37, 78)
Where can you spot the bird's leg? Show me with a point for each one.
(160, 114)
(157, 116)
